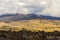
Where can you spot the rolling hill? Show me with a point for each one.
(29, 22)
(15, 17)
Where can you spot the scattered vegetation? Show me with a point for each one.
(29, 35)
(32, 30)
(33, 25)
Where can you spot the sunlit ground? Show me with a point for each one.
(33, 25)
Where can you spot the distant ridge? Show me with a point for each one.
(14, 17)
(49, 17)
(6, 15)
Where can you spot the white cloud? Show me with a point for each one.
(45, 7)
(21, 6)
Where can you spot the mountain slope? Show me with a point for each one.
(15, 17)
(30, 22)
(49, 17)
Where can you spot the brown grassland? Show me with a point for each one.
(33, 25)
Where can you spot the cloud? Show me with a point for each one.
(21, 6)
(44, 7)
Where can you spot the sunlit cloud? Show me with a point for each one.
(43, 3)
(20, 3)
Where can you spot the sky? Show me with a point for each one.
(40, 7)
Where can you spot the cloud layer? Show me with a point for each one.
(44, 7)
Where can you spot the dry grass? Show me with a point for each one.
(33, 25)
